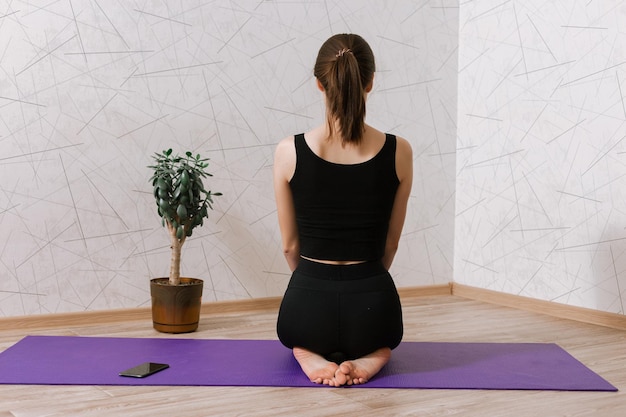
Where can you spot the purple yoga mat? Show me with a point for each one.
(70, 360)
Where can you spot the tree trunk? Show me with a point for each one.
(176, 247)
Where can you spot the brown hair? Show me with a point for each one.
(345, 67)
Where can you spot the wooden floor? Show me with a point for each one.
(432, 318)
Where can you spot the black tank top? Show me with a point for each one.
(343, 211)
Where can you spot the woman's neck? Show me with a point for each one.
(330, 131)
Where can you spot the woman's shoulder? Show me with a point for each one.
(286, 142)
(287, 146)
(402, 145)
(285, 157)
(404, 157)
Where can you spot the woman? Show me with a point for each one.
(341, 193)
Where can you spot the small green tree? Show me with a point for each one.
(181, 199)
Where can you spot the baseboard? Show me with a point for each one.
(73, 319)
(87, 318)
(241, 306)
(425, 291)
(564, 311)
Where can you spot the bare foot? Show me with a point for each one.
(361, 370)
(318, 369)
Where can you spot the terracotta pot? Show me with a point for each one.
(176, 308)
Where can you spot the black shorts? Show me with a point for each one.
(340, 311)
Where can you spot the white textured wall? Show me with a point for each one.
(89, 89)
(541, 152)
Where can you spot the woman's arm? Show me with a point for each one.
(404, 170)
(284, 168)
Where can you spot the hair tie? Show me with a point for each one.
(343, 51)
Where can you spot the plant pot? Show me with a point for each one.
(176, 308)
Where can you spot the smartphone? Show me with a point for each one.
(145, 369)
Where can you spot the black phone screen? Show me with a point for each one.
(145, 369)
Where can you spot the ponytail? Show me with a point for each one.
(345, 68)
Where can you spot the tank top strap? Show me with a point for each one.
(299, 140)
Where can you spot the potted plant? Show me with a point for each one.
(183, 204)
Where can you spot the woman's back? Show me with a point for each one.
(343, 199)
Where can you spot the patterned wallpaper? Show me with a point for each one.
(541, 150)
(89, 89)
